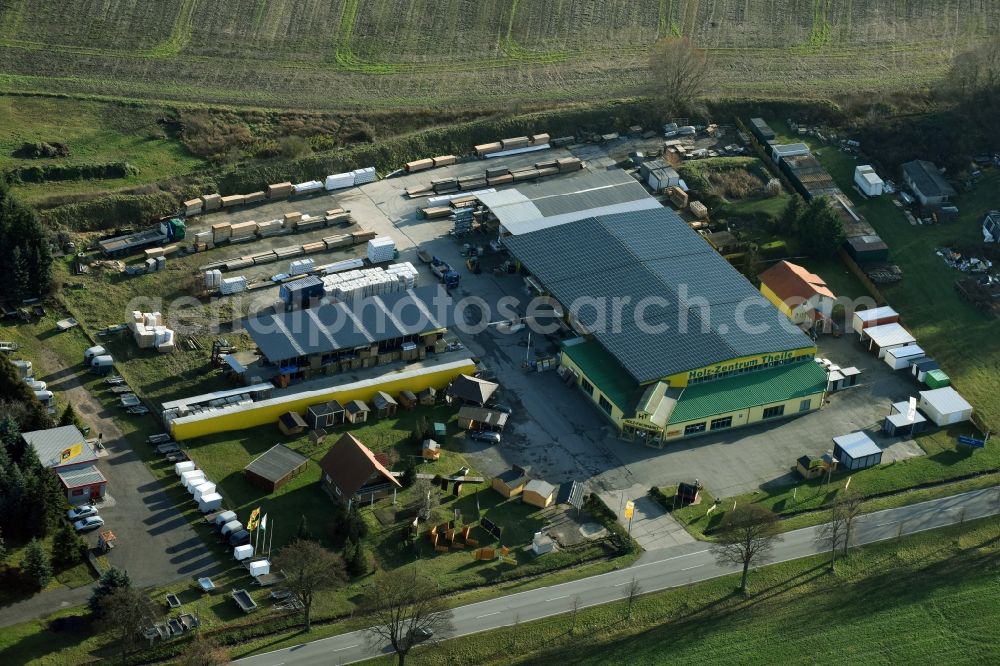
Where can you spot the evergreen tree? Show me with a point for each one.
(69, 417)
(821, 230)
(409, 475)
(303, 531)
(36, 565)
(111, 580)
(3, 547)
(788, 223)
(357, 528)
(25, 258)
(13, 389)
(68, 547)
(356, 558)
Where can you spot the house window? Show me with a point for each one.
(805, 405)
(587, 387)
(694, 428)
(772, 412)
(719, 424)
(77, 492)
(337, 490)
(605, 404)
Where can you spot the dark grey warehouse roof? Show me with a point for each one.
(337, 326)
(926, 178)
(653, 253)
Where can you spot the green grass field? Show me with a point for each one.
(929, 598)
(388, 53)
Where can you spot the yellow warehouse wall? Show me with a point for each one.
(775, 300)
(748, 416)
(269, 413)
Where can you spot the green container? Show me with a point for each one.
(936, 379)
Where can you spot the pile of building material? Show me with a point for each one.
(340, 266)
(339, 181)
(494, 176)
(280, 191)
(364, 176)
(699, 210)
(338, 216)
(211, 201)
(300, 267)
(149, 332)
(514, 143)
(233, 285)
(381, 250)
(289, 252)
(348, 286)
(242, 231)
(308, 187)
(193, 206)
(420, 165)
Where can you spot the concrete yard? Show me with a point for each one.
(555, 430)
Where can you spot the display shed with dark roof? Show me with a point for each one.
(275, 467)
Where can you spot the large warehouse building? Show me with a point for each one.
(709, 353)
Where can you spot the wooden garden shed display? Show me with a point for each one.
(290, 423)
(275, 467)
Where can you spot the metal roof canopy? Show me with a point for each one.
(550, 203)
(900, 419)
(872, 314)
(276, 463)
(653, 254)
(889, 334)
(339, 326)
(81, 476)
(857, 445)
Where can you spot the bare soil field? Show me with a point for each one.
(371, 54)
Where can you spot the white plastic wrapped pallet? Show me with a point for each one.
(364, 176)
(339, 181)
(308, 186)
(300, 266)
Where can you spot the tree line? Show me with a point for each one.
(25, 258)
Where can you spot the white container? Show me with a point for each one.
(243, 552)
(381, 249)
(201, 490)
(192, 478)
(234, 285)
(260, 568)
(210, 502)
(182, 467)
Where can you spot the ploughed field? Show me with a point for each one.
(359, 54)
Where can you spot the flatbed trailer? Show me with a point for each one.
(121, 246)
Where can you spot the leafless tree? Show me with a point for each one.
(405, 609)
(632, 592)
(310, 568)
(576, 610)
(831, 534)
(427, 499)
(976, 70)
(746, 536)
(204, 651)
(124, 617)
(851, 504)
(678, 71)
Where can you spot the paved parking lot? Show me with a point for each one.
(562, 436)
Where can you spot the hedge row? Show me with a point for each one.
(50, 172)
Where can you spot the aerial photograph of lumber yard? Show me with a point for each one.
(517, 332)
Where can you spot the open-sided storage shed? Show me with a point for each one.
(274, 468)
(881, 339)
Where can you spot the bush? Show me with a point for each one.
(776, 249)
(68, 548)
(36, 565)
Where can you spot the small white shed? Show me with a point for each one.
(244, 552)
(899, 358)
(944, 406)
(662, 178)
(868, 181)
(210, 502)
(185, 466)
(542, 543)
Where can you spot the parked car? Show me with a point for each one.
(499, 407)
(488, 436)
(88, 523)
(81, 512)
(419, 635)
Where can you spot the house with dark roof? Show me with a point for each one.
(927, 183)
(799, 293)
(692, 324)
(66, 452)
(351, 472)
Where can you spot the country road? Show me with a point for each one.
(659, 570)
